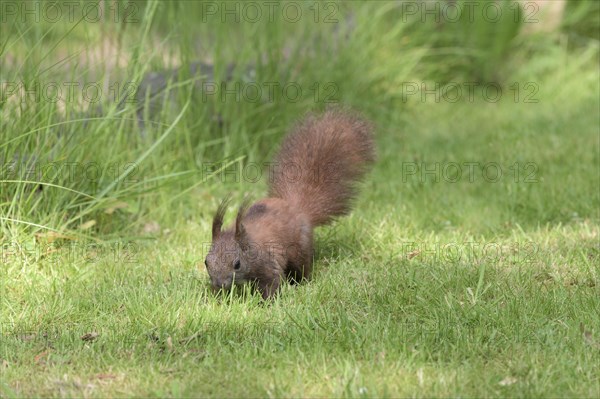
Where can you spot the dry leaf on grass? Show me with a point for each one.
(508, 381)
(151, 228)
(587, 337)
(51, 236)
(27, 337)
(90, 336)
(118, 205)
(106, 376)
(40, 357)
(87, 225)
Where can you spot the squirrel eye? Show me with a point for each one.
(236, 265)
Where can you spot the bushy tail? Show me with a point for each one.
(320, 162)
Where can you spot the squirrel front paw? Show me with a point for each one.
(269, 288)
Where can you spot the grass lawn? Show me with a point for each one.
(469, 266)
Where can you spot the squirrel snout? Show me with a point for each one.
(221, 283)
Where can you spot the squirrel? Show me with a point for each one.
(313, 181)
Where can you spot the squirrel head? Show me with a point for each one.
(224, 262)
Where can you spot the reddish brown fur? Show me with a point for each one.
(314, 179)
(319, 163)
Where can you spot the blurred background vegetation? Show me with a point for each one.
(150, 158)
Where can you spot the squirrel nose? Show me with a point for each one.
(221, 283)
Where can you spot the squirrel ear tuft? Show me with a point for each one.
(218, 218)
(240, 230)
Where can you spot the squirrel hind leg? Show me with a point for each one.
(299, 256)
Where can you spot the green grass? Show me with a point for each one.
(437, 285)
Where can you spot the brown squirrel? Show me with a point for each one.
(313, 181)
